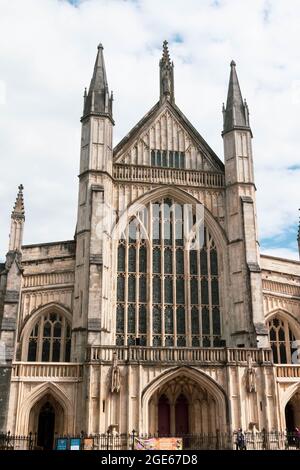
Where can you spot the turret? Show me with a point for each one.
(247, 316)
(17, 223)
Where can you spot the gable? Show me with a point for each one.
(164, 137)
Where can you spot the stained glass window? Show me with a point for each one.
(120, 319)
(131, 288)
(179, 261)
(132, 259)
(167, 159)
(195, 321)
(168, 261)
(169, 324)
(194, 291)
(177, 319)
(203, 262)
(180, 290)
(205, 321)
(143, 289)
(50, 339)
(215, 292)
(121, 288)
(213, 262)
(193, 262)
(282, 340)
(143, 319)
(156, 289)
(131, 318)
(152, 158)
(216, 321)
(204, 291)
(180, 320)
(143, 259)
(156, 260)
(168, 289)
(156, 319)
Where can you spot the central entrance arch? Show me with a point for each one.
(184, 401)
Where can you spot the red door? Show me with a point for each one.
(163, 416)
(182, 415)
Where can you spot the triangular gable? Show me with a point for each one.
(165, 128)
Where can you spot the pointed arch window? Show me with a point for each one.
(281, 340)
(50, 339)
(167, 294)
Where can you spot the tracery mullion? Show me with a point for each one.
(126, 275)
(287, 342)
(209, 277)
(173, 248)
(162, 270)
(63, 340)
(150, 278)
(40, 339)
(187, 287)
(278, 344)
(137, 283)
(51, 342)
(199, 295)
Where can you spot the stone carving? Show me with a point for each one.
(115, 375)
(166, 82)
(250, 376)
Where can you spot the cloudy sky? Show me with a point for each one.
(47, 53)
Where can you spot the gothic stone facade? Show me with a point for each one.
(151, 332)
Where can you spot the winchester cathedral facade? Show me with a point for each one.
(161, 315)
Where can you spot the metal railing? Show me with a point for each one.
(274, 440)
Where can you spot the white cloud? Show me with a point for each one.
(47, 53)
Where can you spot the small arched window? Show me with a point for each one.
(50, 339)
(281, 340)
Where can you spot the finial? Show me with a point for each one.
(100, 46)
(18, 210)
(165, 55)
(85, 93)
(232, 63)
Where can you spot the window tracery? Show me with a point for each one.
(50, 339)
(167, 295)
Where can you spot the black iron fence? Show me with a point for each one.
(11, 442)
(274, 440)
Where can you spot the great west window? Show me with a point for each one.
(167, 159)
(167, 288)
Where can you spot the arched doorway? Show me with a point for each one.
(186, 403)
(46, 423)
(292, 413)
(46, 420)
(181, 415)
(163, 416)
(289, 417)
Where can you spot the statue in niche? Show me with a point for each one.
(250, 376)
(115, 375)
